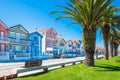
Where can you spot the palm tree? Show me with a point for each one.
(111, 38)
(108, 21)
(88, 14)
(116, 43)
(114, 34)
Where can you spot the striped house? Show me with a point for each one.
(18, 42)
(3, 41)
(48, 40)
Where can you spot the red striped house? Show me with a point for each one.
(49, 39)
(3, 39)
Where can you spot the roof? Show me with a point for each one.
(45, 30)
(58, 39)
(19, 25)
(36, 33)
(74, 41)
(3, 24)
(98, 47)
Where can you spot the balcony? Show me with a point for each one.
(4, 40)
(16, 41)
(21, 54)
(4, 54)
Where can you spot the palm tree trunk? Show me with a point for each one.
(111, 48)
(89, 38)
(115, 49)
(105, 32)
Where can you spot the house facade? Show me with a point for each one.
(78, 47)
(49, 40)
(18, 42)
(35, 44)
(69, 46)
(61, 45)
(3, 41)
(74, 46)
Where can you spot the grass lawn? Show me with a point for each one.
(103, 70)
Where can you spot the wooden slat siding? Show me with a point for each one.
(45, 67)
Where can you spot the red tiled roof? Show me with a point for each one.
(74, 41)
(57, 39)
(98, 47)
(45, 30)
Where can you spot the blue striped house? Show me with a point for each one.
(35, 45)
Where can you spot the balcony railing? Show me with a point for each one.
(3, 39)
(19, 41)
(22, 54)
(3, 54)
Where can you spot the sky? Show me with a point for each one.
(33, 14)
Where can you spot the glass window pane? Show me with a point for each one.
(18, 48)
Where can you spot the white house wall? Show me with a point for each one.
(44, 44)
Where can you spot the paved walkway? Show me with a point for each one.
(11, 68)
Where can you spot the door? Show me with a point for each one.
(3, 49)
(18, 36)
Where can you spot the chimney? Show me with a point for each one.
(36, 29)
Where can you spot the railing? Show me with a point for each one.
(4, 39)
(22, 54)
(4, 54)
(19, 41)
(45, 68)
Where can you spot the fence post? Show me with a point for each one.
(73, 63)
(63, 65)
(45, 69)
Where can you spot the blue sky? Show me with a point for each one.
(35, 14)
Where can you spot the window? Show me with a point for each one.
(23, 36)
(69, 45)
(12, 34)
(35, 39)
(18, 48)
(61, 44)
(24, 48)
(17, 35)
(78, 45)
(50, 33)
(1, 34)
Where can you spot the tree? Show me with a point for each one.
(116, 43)
(88, 14)
(114, 34)
(109, 20)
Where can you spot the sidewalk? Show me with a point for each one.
(11, 68)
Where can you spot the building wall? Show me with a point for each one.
(44, 44)
(74, 47)
(78, 47)
(3, 39)
(4, 30)
(18, 43)
(62, 49)
(35, 44)
(69, 48)
(50, 38)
